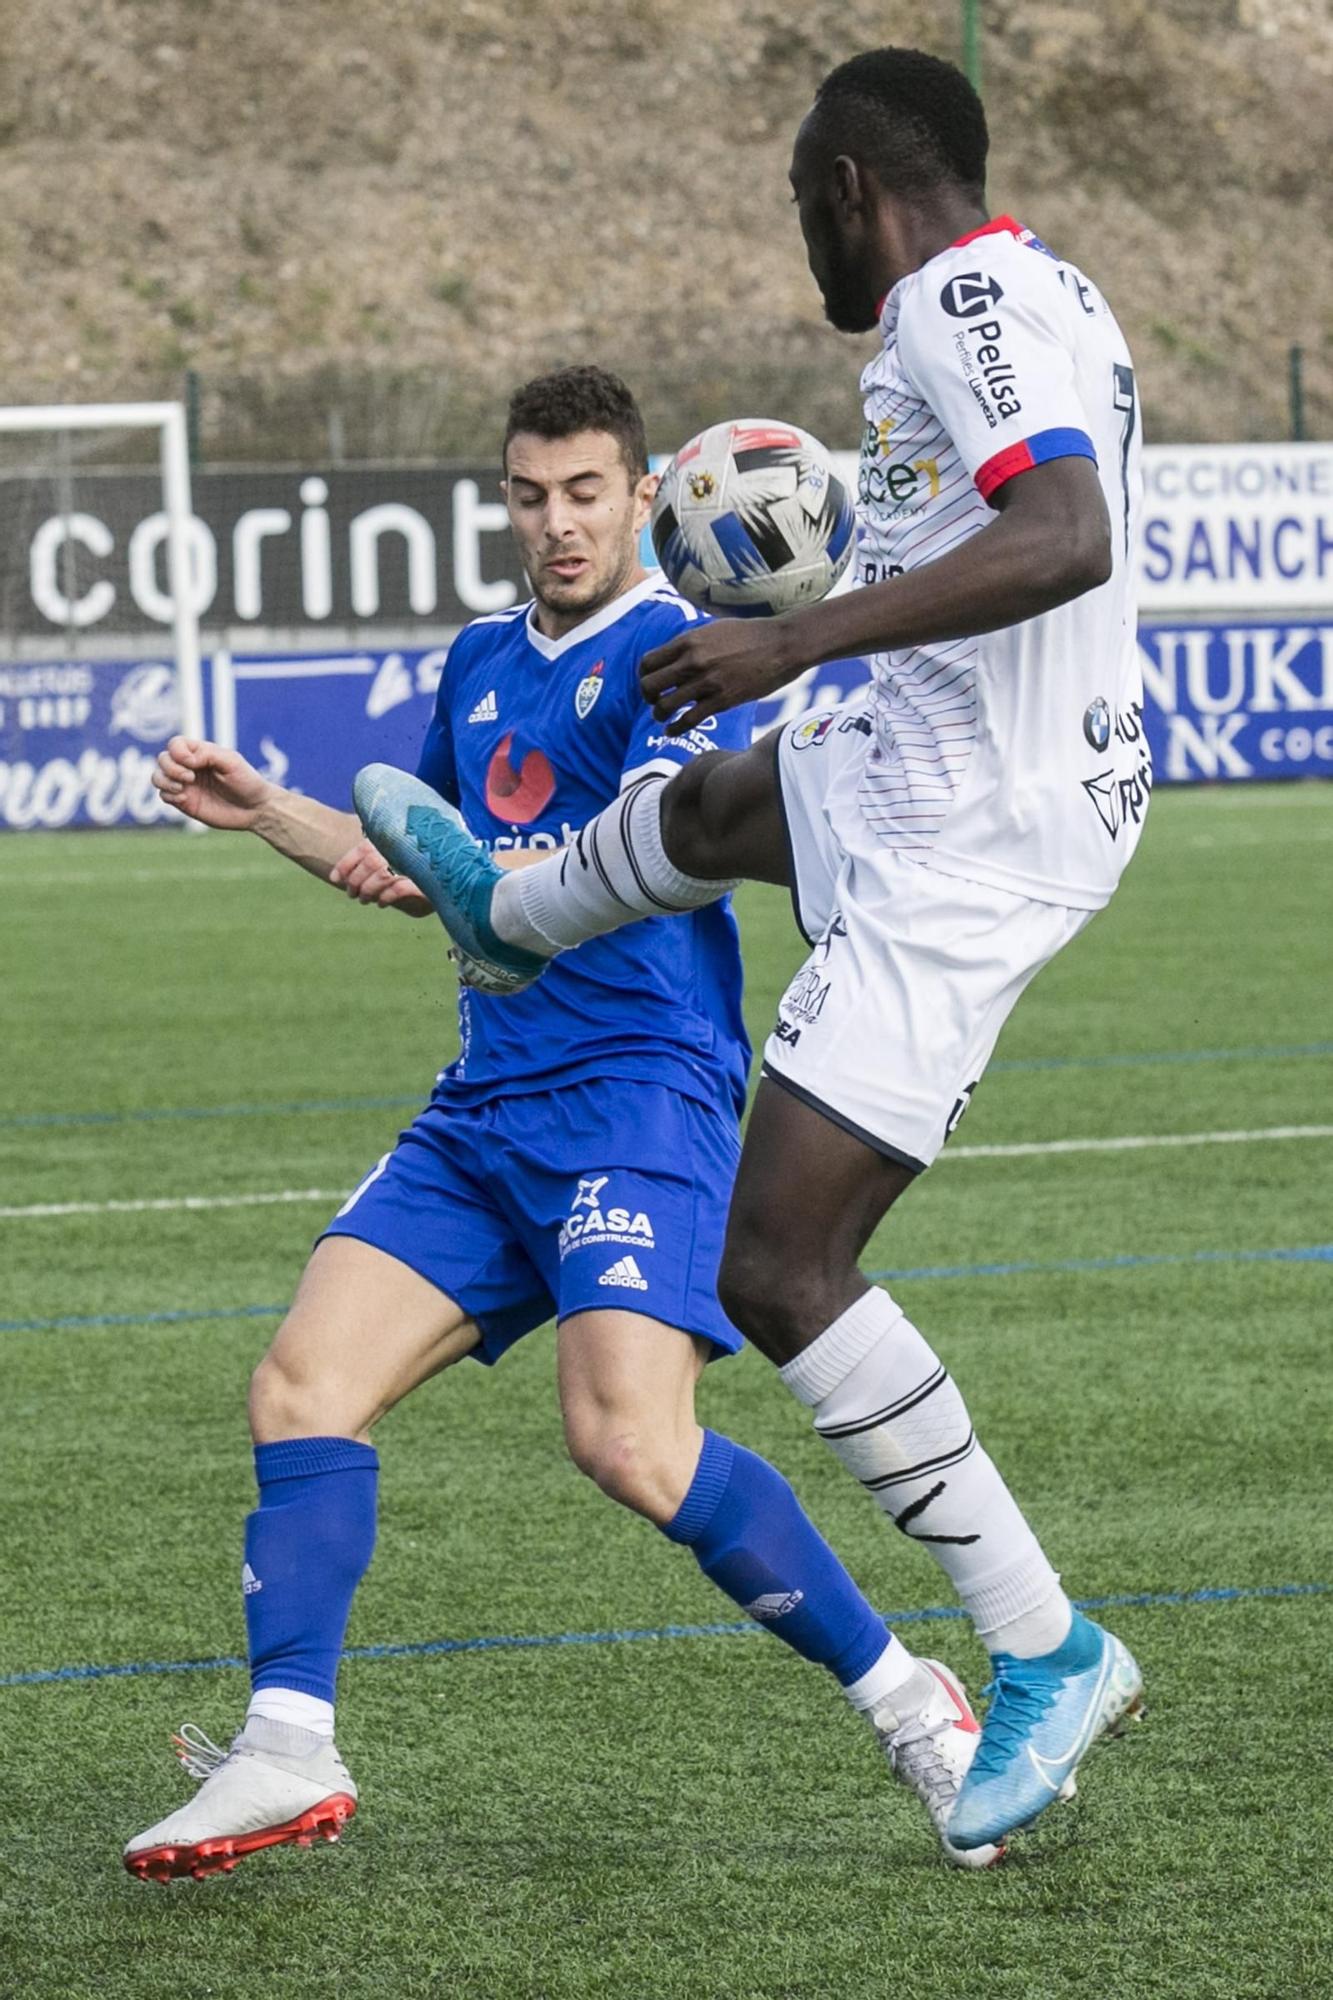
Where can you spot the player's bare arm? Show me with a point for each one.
(220, 788)
(1050, 542)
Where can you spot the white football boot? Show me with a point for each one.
(929, 1734)
(277, 1786)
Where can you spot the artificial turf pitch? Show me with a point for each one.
(683, 1816)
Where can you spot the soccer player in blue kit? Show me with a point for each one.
(576, 1161)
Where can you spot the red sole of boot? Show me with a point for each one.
(218, 1857)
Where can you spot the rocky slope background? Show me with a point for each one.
(358, 223)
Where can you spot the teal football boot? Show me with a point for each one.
(1045, 1714)
(423, 837)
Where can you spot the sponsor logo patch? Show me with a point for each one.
(1119, 799)
(811, 732)
(1097, 723)
(627, 1273)
(774, 1604)
(970, 294)
(804, 999)
(989, 374)
(518, 795)
(594, 1220)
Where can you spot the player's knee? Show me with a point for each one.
(748, 1295)
(629, 1466)
(778, 1303)
(287, 1400)
(694, 826)
(277, 1401)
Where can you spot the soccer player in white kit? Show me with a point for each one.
(942, 840)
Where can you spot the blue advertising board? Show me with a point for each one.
(78, 739)
(312, 723)
(1252, 698)
(1248, 699)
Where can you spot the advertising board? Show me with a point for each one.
(1236, 564)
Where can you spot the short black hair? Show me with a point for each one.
(914, 120)
(571, 400)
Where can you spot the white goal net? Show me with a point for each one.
(100, 587)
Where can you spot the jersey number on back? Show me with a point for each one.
(1125, 398)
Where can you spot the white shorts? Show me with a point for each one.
(888, 1025)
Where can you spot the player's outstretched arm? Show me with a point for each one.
(208, 783)
(1050, 542)
(219, 788)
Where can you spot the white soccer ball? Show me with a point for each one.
(750, 519)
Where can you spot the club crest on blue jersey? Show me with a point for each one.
(587, 691)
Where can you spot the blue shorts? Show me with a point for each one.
(603, 1194)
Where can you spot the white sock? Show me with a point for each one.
(886, 1405)
(616, 872)
(891, 1671)
(289, 1705)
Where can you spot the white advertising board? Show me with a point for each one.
(1230, 527)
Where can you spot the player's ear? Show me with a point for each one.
(644, 494)
(848, 184)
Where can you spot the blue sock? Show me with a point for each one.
(307, 1546)
(751, 1536)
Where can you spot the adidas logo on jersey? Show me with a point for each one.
(625, 1272)
(485, 710)
(249, 1581)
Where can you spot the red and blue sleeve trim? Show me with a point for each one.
(1032, 451)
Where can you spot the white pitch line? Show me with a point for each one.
(1136, 1143)
(165, 1203)
(83, 878)
(281, 1197)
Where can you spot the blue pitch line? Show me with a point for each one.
(1315, 1253)
(1278, 1052)
(188, 1316)
(738, 1629)
(30, 1120)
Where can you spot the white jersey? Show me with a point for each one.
(1017, 758)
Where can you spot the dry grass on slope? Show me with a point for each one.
(399, 204)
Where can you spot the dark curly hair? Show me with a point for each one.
(915, 121)
(580, 399)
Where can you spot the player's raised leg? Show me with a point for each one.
(662, 847)
(627, 1393)
(891, 1412)
(362, 1331)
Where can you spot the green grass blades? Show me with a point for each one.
(679, 1817)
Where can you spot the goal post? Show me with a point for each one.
(168, 419)
(66, 596)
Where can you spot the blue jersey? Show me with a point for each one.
(531, 738)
